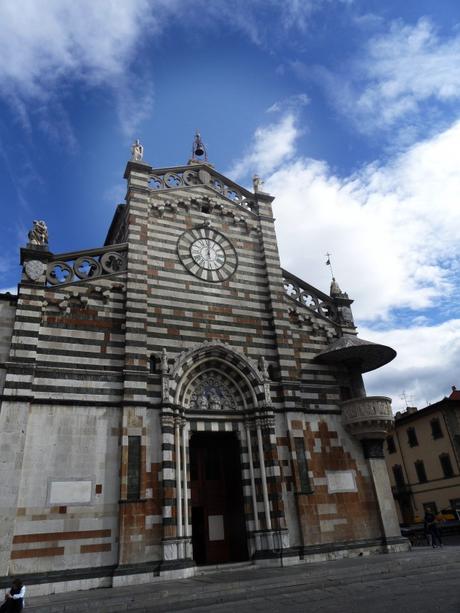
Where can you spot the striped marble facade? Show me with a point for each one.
(108, 363)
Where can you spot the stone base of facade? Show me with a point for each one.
(330, 551)
(135, 574)
(350, 549)
(397, 544)
(58, 582)
(268, 541)
(177, 549)
(42, 584)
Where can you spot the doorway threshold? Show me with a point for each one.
(206, 569)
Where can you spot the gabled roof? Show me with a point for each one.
(195, 174)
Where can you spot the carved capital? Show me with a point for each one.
(167, 420)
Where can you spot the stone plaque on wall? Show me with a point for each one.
(70, 492)
(341, 481)
(216, 527)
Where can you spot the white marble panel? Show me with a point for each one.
(70, 492)
(341, 481)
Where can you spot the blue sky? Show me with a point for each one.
(348, 109)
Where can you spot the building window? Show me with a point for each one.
(412, 437)
(421, 473)
(391, 444)
(436, 431)
(430, 507)
(398, 475)
(302, 466)
(134, 467)
(446, 465)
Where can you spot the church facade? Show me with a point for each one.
(175, 398)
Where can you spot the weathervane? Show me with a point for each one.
(328, 263)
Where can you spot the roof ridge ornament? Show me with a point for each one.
(38, 236)
(257, 183)
(199, 152)
(335, 291)
(137, 151)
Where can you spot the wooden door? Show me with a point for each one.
(218, 527)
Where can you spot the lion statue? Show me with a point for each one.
(39, 234)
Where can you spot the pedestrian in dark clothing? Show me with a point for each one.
(14, 598)
(427, 533)
(431, 528)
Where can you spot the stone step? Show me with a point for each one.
(230, 567)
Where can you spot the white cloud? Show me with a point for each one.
(273, 144)
(290, 104)
(297, 13)
(392, 228)
(393, 231)
(407, 66)
(426, 367)
(407, 70)
(46, 44)
(134, 98)
(264, 22)
(48, 40)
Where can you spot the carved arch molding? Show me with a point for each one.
(213, 378)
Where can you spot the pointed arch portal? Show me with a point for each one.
(215, 377)
(218, 387)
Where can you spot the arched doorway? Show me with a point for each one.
(217, 506)
(218, 389)
(218, 438)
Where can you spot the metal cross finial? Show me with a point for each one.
(329, 263)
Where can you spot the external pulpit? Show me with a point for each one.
(358, 356)
(369, 420)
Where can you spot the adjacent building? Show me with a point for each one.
(423, 459)
(175, 398)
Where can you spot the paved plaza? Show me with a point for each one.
(423, 581)
(424, 592)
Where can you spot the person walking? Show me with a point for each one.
(431, 528)
(14, 598)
